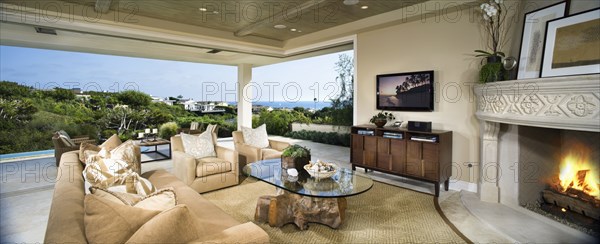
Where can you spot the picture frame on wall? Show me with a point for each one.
(532, 39)
(571, 46)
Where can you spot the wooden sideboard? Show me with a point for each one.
(425, 156)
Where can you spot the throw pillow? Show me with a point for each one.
(106, 172)
(64, 138)
(112, 142)
(86, 150)
(176, 225)
(114, 194)
(126, 152)
(199, 146)
(136, 184)
(257, 137)
(160, 200)
(109, 222)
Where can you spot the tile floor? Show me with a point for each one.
(26, 191)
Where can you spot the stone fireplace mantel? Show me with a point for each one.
(568, 103)
(571, 102)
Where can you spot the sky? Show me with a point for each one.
(299, 80)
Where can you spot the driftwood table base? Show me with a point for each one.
(293, 208)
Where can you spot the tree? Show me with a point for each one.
(12, 90)
(61, 94)
(14, 112)
(133, 98)
(124, 120)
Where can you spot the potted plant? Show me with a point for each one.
(496, 26)
(295, 156)
(382, 118)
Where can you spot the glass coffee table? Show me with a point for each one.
(302, 199)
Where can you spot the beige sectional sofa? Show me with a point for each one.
(66, 219)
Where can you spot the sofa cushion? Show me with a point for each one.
(175, 225)
(211, 166)
(257, 137)
(108, 172)
(268, 153)
(109, 222)
(199, 146)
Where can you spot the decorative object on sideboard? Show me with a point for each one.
(571, 46)
(295, 156)
(381, 118)
(532, 40)
(423, 126)
(495, 25)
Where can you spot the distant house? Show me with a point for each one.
(163, 100)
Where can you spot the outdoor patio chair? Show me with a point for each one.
(64, 143)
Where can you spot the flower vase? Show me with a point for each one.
(492, 71)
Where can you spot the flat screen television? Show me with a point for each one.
(411, 91)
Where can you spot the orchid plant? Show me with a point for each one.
(496, 27)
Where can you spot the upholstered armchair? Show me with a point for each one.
(208, 173)
(249, 154)
(64, 143)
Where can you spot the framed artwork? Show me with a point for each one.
(532, 40)
(572, 45)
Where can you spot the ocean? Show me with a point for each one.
(284, 104)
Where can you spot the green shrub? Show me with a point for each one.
(331, 138)
(167, 130)
(296, 151)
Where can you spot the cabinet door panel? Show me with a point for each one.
(398, 152)
(431, 161)
(357, 149)
(370, 151)
(413, 158)
(383, 153)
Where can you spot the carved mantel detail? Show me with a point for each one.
(571, 102)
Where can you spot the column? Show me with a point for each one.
(488, 176)
(244, 105)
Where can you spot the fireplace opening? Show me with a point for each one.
(559, 176)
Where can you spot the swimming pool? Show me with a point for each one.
(26, 154)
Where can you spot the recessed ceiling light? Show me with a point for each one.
(280, 27)
(215, 12)
(350, 2)
(202, 9)
(293, 29)
(299, 31)
(364, 7)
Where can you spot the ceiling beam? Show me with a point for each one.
(275, 18)
(102, 6)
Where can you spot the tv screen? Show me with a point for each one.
(412, 91)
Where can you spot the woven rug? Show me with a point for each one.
(384, 214)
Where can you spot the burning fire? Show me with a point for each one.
(576, 172)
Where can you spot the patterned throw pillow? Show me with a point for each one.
(86, 150)
(256, 137)
(126, 152)
(107, 172)
(200, 146)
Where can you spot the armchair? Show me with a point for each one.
(205, 174)
(64, 143)
(249, 154)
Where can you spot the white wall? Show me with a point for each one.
(430, 44)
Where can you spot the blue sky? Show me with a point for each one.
(289, 81)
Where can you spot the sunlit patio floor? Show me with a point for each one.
(27, 185)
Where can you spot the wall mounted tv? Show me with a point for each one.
(411, 91)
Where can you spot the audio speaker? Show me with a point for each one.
(419, 126)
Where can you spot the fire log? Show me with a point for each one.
(586, 208)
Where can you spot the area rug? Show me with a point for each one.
(384, 214)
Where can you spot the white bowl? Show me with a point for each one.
(320, 174)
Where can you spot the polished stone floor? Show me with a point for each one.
(26, 188)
